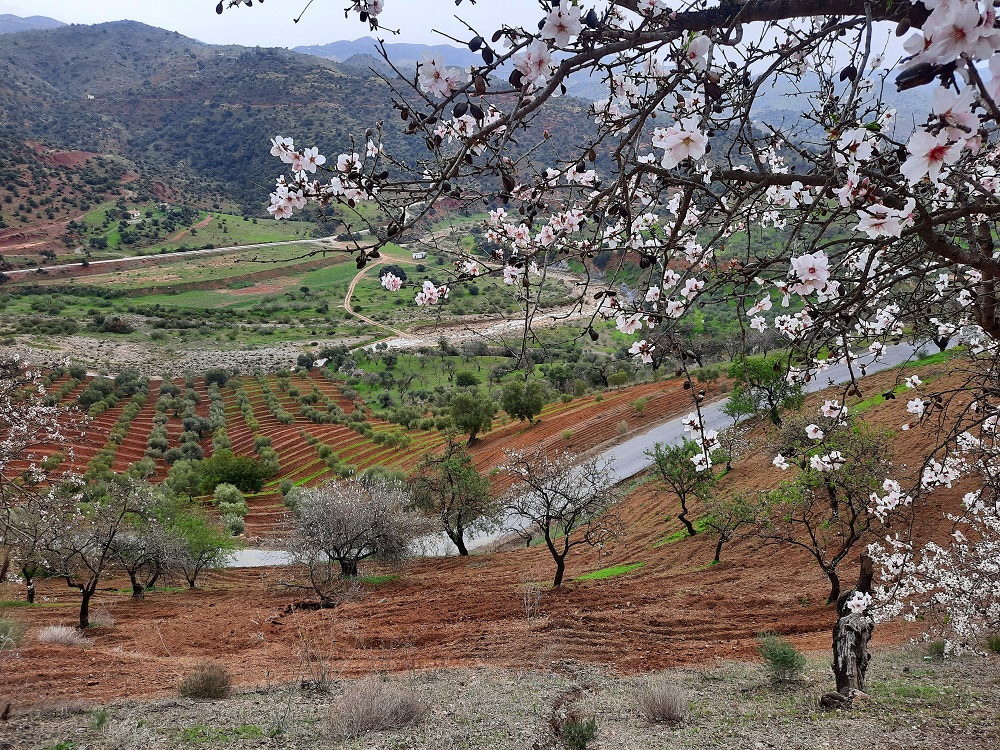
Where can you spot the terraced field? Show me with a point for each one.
(578, 425)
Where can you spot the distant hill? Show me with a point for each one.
(403, 55)
(12, 24)
(198, 117)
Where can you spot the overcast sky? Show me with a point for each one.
(270, 24)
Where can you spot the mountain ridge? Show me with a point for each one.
(11, 24)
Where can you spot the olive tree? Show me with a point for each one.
(449, 488)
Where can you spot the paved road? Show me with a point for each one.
(170, 256)
(630, 457)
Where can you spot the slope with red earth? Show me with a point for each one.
(675, 610)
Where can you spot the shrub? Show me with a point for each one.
(937, 649)
(11, 632)
(567, 434)
(373, 705)
(62, 635)
(216, 375)
(662, 701)
(208, 681)
(285, 487)
(993, 642)
(786, 664)
(234, 522)
(227, 493)
(578, 733)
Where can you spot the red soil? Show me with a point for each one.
(676, 610)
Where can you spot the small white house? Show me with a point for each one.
(135, 214)
(419, 255)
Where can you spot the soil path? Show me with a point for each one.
(200, 225)
(365, 318)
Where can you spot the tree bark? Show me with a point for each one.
(31, 589)
(85, 594)
(682, 517)
(458, 538)
(851, 635)
(831, 573)
(138, 592)
(718, 548)
(348, 568)
(560, 570)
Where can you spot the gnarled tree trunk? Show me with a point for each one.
(851, 635)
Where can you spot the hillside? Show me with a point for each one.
(654, 601)
(10, 24)
(195, 116)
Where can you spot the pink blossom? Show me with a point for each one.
(562, 24)
(392, 282)
(928, 153)
(534, 62)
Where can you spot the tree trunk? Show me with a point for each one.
(718, 548)
(152, 581)
(459, 540)
(682, 517)
(31, 589)
(348, 568)
(85, 594)
(851, 635)
(138, 592)
(831, 573)
(560, 570)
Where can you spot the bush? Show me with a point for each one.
(578, 733)
(662, 701)
(373, 705)
(786, 664)
(234, 523)
(208, 681)
(285, 487)
(62, 635)
(937, 649)
(993, 643)
(216, 375)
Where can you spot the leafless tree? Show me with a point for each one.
(571, 503)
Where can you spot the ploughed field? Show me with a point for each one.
(578, 425)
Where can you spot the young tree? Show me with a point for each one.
(762, 388)
(197, 541)
(827, 508)
(678, 470)
(472, 412)
(726, 515)
(30, 430)
(570, 502)
(341, 523)
(524, 400)
(449, 487)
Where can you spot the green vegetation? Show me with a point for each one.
(785, 663)
(615, 570)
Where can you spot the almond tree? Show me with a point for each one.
(570, 502)
(841, 227)
(339, 524)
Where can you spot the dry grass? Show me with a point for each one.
(374, 705)
(63, 635)
(662, 701)
(208, 681)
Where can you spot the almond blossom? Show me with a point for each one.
(391, 282)
(928, 154)
(534, 62)
(562, 24)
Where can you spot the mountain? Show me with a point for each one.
(13, 24)
(402, 55)
(199, 117)
(364, 53)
